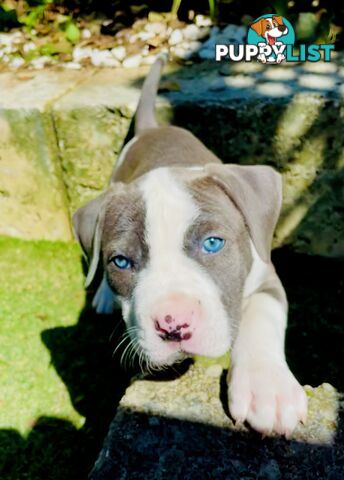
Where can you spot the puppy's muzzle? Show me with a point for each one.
(282, 28)
(176, 317)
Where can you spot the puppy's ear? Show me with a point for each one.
(257, 193)
(258, 27)
(278, 19)
(88, 226)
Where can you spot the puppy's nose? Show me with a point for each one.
(173, 335)
(175, 317)
(282, 28)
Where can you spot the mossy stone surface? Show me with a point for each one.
(289, 117)
(33, 201)
(180, 425)
(89, 140)
(298, 133)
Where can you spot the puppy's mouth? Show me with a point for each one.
(271, 39)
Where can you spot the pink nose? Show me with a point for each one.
(176, 316)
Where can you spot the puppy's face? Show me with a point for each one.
(176, 252)
(176, 249)
(270, 28)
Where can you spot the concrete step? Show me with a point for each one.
(61, 133)
(172, 425)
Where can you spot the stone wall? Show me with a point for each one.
(61, 133)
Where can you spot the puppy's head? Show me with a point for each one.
(175, 246)
(270, 28)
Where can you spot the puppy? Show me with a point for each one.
(270, 29)
(184, 245)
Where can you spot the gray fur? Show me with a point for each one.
(123, 234)
(144, 117)
(87, 225)
(162, 147)
(228, 268)
(257, 193)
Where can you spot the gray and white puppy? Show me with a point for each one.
(184, 242)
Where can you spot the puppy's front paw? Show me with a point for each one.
(267, 396)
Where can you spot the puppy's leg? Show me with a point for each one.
(105, 301)
(262, 389)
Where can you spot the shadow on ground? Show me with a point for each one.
(82, 356)
(164, 448)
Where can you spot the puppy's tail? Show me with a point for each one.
(145, 117)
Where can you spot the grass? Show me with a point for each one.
(58, 383)
(41, 288)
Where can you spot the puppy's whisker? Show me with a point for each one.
(114, 331)
(124, 339)
(128, 352)
(124, 354)
(135, 352)
(141, 360)
(131, 353)
(133, 331)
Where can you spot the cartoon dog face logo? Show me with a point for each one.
(270, 28)
(271, 33)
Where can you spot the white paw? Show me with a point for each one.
(104, 301)
(267, 396)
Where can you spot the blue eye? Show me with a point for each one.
(122, 262)
(213, 244)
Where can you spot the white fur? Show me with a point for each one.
(170, 211)
(257, 274)
(263, 390)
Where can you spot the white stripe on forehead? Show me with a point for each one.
(170, 210)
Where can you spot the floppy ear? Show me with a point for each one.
(88, 226)
(278, 19)
(257, 193)
(258, 27)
